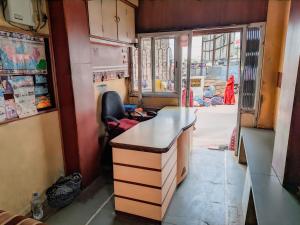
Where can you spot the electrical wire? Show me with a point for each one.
(44, 15)
(38, 15)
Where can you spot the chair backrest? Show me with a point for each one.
(112, 106)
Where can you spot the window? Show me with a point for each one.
(158, 65)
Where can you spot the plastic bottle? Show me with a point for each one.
(36, 206)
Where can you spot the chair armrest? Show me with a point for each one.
(111, 118)
(151, 113)
(135, 117)
(141, 116)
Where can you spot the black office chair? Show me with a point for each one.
(113, 115)
(116, 121)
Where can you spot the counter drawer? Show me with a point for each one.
(145, 193)
(142, 159)
(148, 210)
(151, 177)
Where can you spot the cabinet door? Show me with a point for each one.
(131, 23)
(109, 12)
(126, 22)
(95, 17)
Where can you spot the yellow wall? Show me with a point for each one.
(31, 156)
(155, 102)
(30, 159)
(281, 61)
(248, 120)
(277, 18)
(118, 85)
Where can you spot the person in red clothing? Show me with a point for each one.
(183, 95)
(229, 98)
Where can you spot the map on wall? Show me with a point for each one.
(22, 54)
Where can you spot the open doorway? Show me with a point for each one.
(214, 81)
(196, 69)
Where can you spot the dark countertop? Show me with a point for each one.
(158, 134)
(259, 144)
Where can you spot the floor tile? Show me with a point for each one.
(210, 195)
(84, 206)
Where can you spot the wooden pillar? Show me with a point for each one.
(277, 19)
(71, 44)
(286, 157)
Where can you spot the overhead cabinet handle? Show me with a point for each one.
(117, 19)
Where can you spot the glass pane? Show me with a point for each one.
(215, 58)
(164, 65)
(235, 52)
(200, 50)
(146, 64)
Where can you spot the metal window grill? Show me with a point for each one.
(134, 68)
(146, 64)
(157, 64)
(250, 72)
(164, 59)
(215, 47)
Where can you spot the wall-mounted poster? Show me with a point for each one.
(24, 95)
(10, 109)
(24, 88)
(6, 85)
(22, 54)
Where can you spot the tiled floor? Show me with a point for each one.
(210, 195)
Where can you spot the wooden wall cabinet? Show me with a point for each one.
(95, 18)
(112, 19)
(109, 23)
(126, 22)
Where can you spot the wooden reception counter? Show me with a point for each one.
(150, 160)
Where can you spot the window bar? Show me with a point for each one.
(140, 69)
(160, 56)
(153, 64)
(202, 55)
(228, 55)
(213, 50)
(188, 75)
(168, 64)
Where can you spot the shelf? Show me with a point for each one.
(39, 113)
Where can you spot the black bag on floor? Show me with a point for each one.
(63, 192)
